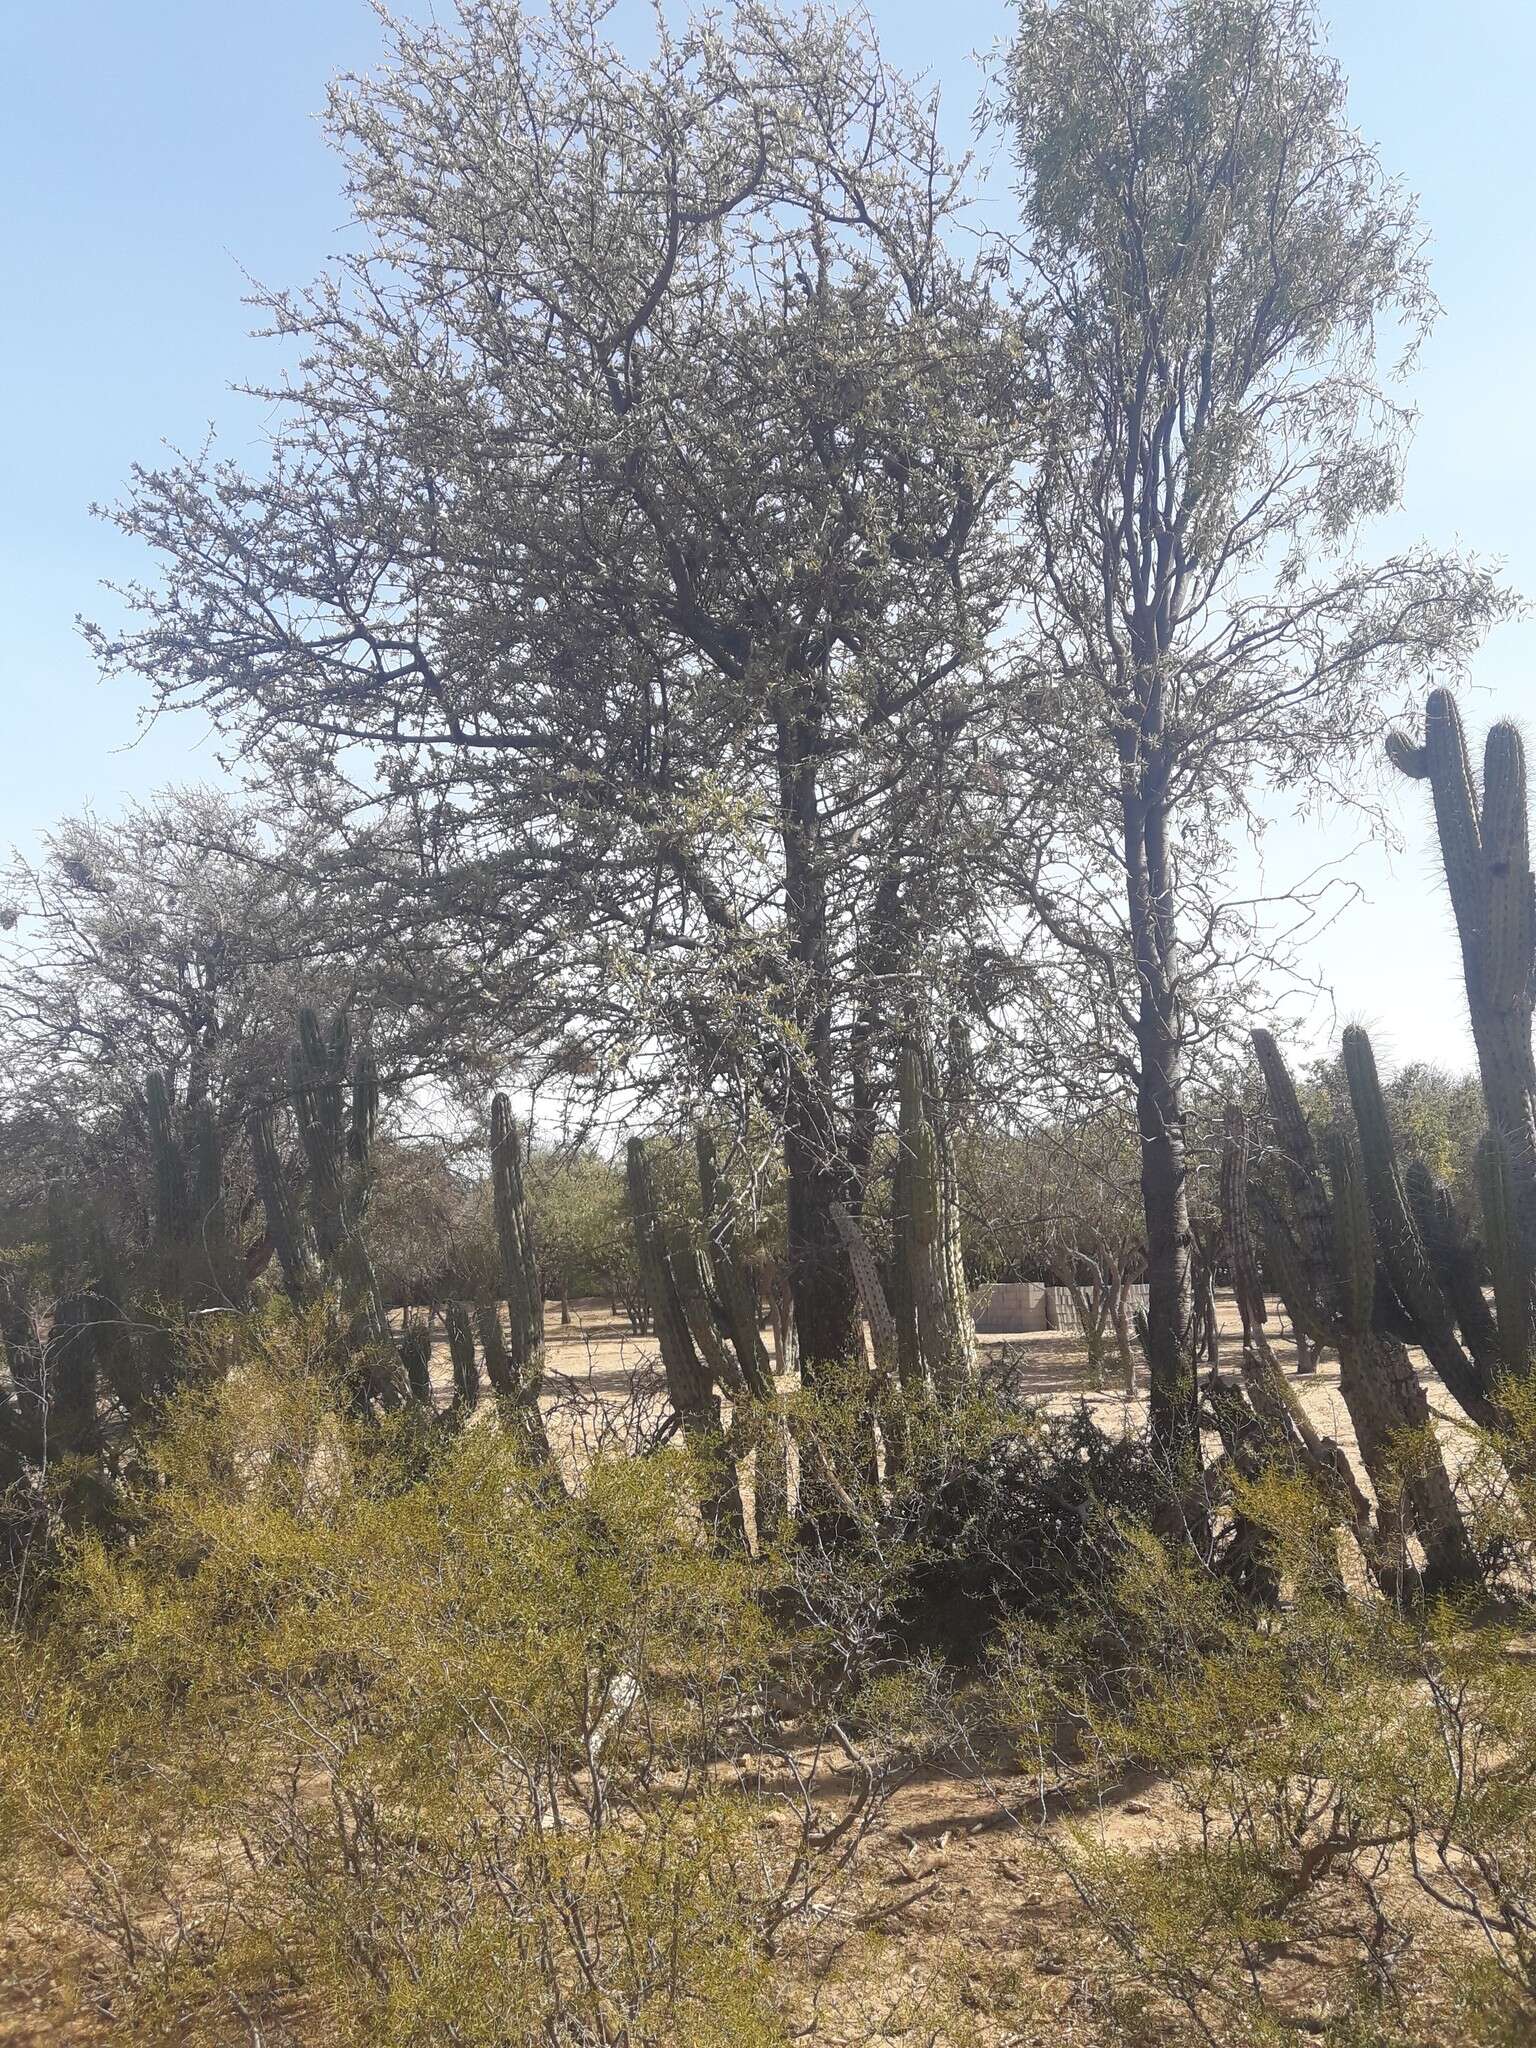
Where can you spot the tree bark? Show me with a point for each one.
(1160, 1112)
(815, 1170)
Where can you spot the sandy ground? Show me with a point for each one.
(605, 1382)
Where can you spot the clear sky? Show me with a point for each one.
(153, 151)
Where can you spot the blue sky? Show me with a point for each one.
(154, 150)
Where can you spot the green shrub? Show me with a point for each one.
(371, 1739)
(1350, 1785)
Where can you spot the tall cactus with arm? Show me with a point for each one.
(1486, 854)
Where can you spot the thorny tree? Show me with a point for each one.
(1214, 251)
(179, 940)
(637, 508)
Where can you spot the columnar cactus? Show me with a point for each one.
(1421, 1285)
(285, 1226)
(725, 1299)
(498, 1360)
(336, 1143)
(466, 1366)
(523, 1351)
(1324, 1241)
(1485, 850)
(734, 1287)
(172, 1209)
(519, 1260)
(1504, 1243)
(689, 1383)
(336, 1112)
(935, 1335)
(690, 1386)
(416, 1357)
(192, 1258)
(871, 1291)
(335, 1102)
(693, 1273)
(1282, 1417)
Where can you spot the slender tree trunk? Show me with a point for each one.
(1123, 1344)
(815, 1171)
(1160, 1108)
(781, 1315)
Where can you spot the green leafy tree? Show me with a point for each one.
(581, 1226)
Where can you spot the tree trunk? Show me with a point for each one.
(815, 1170)
(1123, 1344)
(781, 1316)
(1160, 1124)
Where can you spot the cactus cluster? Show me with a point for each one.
(1372, 1254)
(705, 1314)
(323, 1252)
(194, 1259)
(1282, 1425)
(80, 1367)
(1325, 1244)
(77, 1365)
(672, 1280)
(322, 1247)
